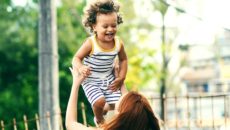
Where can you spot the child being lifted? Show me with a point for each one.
(95, 59)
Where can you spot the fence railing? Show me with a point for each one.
(34, 123)
(190, 112)
(195, 111)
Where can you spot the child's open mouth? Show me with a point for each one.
(109, 35)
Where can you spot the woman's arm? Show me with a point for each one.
(71, 112)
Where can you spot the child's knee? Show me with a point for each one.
(100, 103)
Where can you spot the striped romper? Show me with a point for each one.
(101, 62)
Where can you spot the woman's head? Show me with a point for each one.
(97, 8)
(134, 113)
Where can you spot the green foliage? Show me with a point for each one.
(19, 55)
(18, 71)
(161, 6)
(141, 64)
(142, 68)
(19, 58)
(71, 35)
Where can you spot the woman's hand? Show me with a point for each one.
(77, 77)
(84, 70)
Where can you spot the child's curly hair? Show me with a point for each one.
(99, 7)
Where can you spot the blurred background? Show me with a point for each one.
(175, 48)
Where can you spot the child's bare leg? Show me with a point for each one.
(98, 107)
(108, 111)
(108, 107)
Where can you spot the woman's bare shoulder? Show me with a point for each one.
(93, 128)
(79, 126)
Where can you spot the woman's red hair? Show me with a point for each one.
(135, 113)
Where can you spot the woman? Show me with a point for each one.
(133, 112)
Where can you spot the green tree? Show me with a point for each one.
(140, 69)
(19, 57)
(18, 61)
(71, 34)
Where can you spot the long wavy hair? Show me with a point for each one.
(134, 113)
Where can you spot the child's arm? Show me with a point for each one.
(123, 63)
(83, 51)
(116, 84)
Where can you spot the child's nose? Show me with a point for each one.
(110, 28)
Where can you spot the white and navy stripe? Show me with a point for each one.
(101, 63)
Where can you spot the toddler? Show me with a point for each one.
(95, 59)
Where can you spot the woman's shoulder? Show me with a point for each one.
(79, 126)
(93, 128)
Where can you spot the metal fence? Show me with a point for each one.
(190, 112)
(34, 123)
(195, 111)
(30, 124)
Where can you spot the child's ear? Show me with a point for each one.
(94, 27)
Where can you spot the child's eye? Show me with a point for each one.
(114, 26)
(105, 26)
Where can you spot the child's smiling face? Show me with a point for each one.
(106, 26)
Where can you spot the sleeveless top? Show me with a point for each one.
(101, 61)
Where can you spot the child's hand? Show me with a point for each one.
(116, 84)
(84, 70)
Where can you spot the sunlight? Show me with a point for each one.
(216, 12)
(20, 2)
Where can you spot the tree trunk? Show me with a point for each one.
(48, 65)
